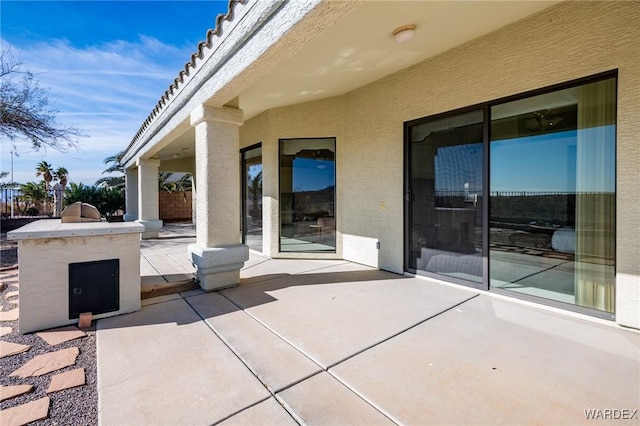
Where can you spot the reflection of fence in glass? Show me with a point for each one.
(39, 202)
(457, 199)
(551, 209)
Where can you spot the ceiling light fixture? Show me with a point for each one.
(175, 156)
(405, 33)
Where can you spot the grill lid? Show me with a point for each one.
(80, 212)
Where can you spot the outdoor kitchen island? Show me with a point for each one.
(71, 268)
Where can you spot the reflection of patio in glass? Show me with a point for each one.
(535, 275)
(254, 241)
(307, 195)
(300, 244)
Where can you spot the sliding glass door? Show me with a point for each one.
(544, 227)
(444, 196)
(552, 209)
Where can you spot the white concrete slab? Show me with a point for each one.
(254, 259)
(165, 265)
(172, 230)
(323, 400)
(275, 268)
(333, 315)
(147, 248)
(163, 365)
(183, 260)
(146, 269)
(266, 413)
(173, 245)
(491, 361)
(273, 360)
(341, 267)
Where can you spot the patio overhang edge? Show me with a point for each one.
(238, 58)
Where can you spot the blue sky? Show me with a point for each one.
(549, 162)
(105, 65)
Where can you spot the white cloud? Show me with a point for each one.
(106, 90)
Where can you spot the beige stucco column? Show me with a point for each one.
(218, 253)
(131, 194)
(148, 211)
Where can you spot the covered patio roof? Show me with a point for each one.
(263, 56)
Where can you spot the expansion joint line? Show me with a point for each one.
(323, 369)
(224, 342)
(400, 332)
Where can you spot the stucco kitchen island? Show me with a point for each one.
(70, 268)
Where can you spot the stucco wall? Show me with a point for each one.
(565, 42)
(323, 118)
(560, 44)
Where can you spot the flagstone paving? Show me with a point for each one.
(61, 335)
(25, 413)
(8, 392)
(10, 348)
(46, 363)
(10, 315)
(27, 402)
(66, 380)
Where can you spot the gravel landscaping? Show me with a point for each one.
(8, 251)
(77, 405)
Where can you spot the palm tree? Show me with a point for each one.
(61, 174)
(183, 184)
(255, 193)
(180, 185)
(45, 170)
(33, 195)
(114, 167)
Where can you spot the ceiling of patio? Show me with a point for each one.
(361, 49)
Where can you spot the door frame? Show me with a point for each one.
(243, 190)
(408, 195)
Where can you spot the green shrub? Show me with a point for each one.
(106, 200)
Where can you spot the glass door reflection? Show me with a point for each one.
(252, 198)
(445, 196)
(307, 195)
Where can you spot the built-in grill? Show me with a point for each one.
(82, 266)
(80, 212)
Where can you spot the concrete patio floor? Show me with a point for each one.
(333, 342)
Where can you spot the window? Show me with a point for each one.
(545, 164)
(552, 230)
(252, 197)
(307, 195)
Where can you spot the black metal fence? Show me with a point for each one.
(41, 204)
